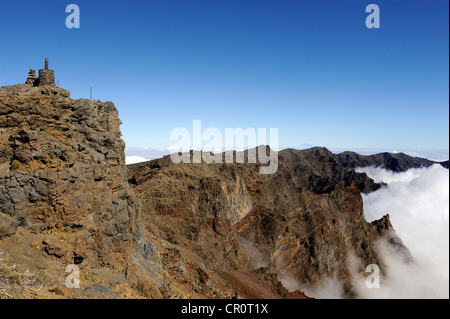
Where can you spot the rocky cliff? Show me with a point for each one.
(64, 195)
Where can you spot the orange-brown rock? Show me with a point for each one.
(64, 195)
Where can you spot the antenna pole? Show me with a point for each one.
(90, 87)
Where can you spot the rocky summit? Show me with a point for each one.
(165, 230)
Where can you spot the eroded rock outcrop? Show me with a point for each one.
(64, 195)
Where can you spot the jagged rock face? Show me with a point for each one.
(301, 223)
(62, 175)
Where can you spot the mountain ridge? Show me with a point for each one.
(396, 162)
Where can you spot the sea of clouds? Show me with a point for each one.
(418, 204)
(135, 159)
(135, 155)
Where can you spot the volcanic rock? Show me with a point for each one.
(64, 195)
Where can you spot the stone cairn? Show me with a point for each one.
(31, 77)
(46, 76)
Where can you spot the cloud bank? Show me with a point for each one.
(135, 159)
(418, 204)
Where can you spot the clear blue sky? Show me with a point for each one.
(309, 68)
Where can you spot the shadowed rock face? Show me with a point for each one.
(445, 164)
(317, 171)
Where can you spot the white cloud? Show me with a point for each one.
(135, 159)
(418, 204)
(145, 152)
(417, 280)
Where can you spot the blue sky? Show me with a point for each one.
(309, 68)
